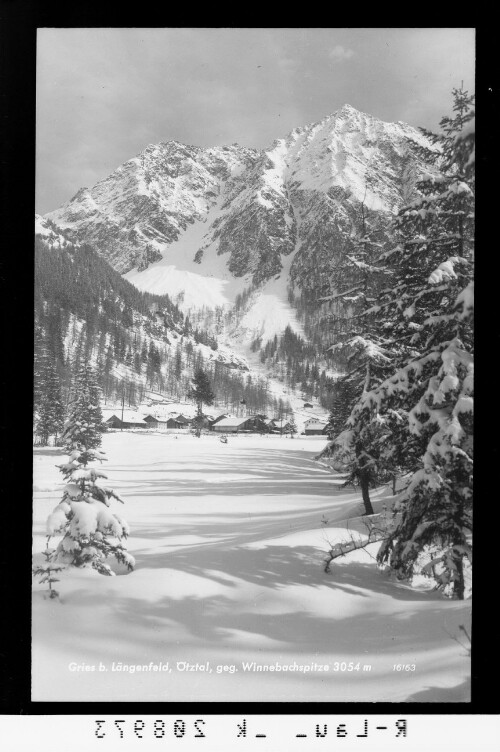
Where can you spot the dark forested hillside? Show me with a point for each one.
(86, 311)
(77, 279)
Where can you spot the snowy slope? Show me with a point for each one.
(206, 283)
(229, 544)
(269, 311)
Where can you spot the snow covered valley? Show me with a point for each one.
(229, 541)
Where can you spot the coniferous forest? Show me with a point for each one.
(137, 341)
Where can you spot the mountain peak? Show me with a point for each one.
(348, 108)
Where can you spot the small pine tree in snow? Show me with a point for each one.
(91, 532)
(46, 571)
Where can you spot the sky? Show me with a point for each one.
(104, 94)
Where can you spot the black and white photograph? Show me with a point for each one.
(253, 365)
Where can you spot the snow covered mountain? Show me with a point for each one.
(209, 223)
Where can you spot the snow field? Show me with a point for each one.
(229, 547)
(207, 284)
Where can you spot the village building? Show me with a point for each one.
(278, 425)
(160, 424)
(214, 421)
(315, 427)
(233, 424)
(123, 419)
(179, 421)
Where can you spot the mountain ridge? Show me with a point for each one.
(211, 222)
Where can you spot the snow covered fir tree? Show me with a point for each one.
(417, 421)
(364, 353)
(92, 534)
(201, 392)
(429, 311)
(267, 353)
(48, 405)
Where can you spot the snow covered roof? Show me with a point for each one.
(107, 412)
(169, 410)
(231, 421)
(129, 416)
(318, 421)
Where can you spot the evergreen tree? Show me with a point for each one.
(84, 426)
(38, 363)
(178, 362)
(129, 358)
(106, 372)
(137, 363)
(343, 399)
(435, 385)
(354, 445)
(91, 532)
(201, 392)
(47, 570)
(357, 448)
(54, 337)
(50, 412)
(426, 404)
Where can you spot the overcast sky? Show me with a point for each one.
(105, 94)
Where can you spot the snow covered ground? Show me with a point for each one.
(229, 544)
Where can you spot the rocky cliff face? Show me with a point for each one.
(144, 205)
(284, 211)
